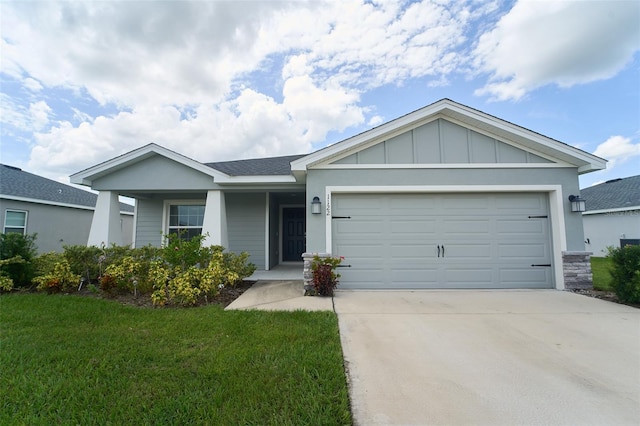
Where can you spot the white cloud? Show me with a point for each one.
(617, 149)
(40, 112)
(181, 73)
(557, 42)
(32, 85)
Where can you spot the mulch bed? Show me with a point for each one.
(225, 298)
(604, 295)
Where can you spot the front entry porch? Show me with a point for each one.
(281, 272)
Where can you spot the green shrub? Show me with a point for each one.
(54, 274)
(186, 253)
(177, 282)
(12, 245)
(625, 273)
(6, 283)
(84, 260)
(239, 264)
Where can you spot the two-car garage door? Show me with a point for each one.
(462, 240)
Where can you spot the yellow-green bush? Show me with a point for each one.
(55, 274)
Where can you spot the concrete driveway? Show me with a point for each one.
(490, 358)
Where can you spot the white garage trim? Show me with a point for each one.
(556, 211)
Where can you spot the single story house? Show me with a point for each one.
(612, 216)
(59, 214)
(444, 197)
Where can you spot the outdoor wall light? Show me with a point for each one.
(316, 205)
(577, 204)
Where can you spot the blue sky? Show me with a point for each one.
(82, 82)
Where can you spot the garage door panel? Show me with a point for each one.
(414, 278)
(526, 277)
(466, 252)
(411, 252)
(465, 227)
(522, 228)
(465, 276)
(525, 203)
(368, 229)
(490, 241)
(533, 252)
(414, 228)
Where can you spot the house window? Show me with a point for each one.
(186, 220)
(15, 221)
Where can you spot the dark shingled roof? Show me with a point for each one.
(256, 167)
(18, 183)
(613, 194)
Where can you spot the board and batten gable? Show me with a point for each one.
(441, 142)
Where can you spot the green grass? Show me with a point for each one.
(77, 360)
(600, 267)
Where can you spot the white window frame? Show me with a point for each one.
(26, 219)
(167, 212)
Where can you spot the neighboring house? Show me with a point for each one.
(444, 197)
(59, 214)
(612, 217)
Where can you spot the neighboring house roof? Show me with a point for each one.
(615, 194)
(448, 109)
(257, 166)
(17, 184)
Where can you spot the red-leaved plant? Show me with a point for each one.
(325, 279)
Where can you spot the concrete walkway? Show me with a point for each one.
(279, 296)
(479, 357)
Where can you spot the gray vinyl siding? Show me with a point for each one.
(441, 142)
(246, 225)
(58, 226)
(156, 173)
(149, 223)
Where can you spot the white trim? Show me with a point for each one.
(256, 179)
(444, 166)
(604, 211)
(53, 203)
(26, 220)
(165, 212)
(135, 224)
(556, 210)
(86, 177)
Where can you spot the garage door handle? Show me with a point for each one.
(542, 264)
(443, 250)
(438, 250)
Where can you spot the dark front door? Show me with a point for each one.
(293, 233)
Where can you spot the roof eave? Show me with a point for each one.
(446, 108)
(87, 176)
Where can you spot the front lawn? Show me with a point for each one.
(81, 360)
(600, 267)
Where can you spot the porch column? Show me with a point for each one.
(215, 219)
(105, 226)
